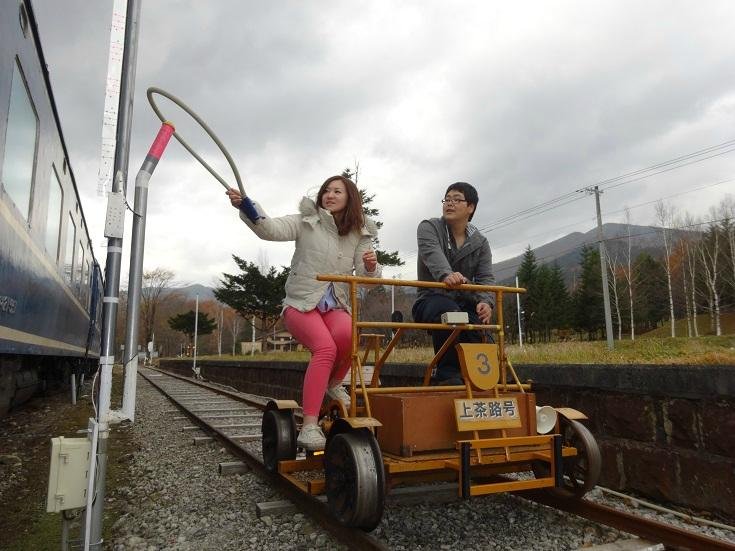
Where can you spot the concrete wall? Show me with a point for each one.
(665, 432)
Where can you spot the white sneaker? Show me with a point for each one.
(338, 392)
(311, 438)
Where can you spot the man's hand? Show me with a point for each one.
(484, 312)
(455, 278)
(235, 197)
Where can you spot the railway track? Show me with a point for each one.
(235, 418)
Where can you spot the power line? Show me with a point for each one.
(626, 208)
(611, 183)
(414, 252)
(670, 169)
(605, 183)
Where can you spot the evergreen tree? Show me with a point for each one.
(529, 300)
(589, 310)
(558, 302)
(184, 323)
(252, 293)
(651, 300)
(384, 257)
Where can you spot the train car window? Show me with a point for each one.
(71, 234)
(87, 283)
(20, 144)
(78, 269)
(53, 216)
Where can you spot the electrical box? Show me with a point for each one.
(68, 474)
(455, 318)
(115, 219)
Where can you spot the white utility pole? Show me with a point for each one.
(252, 348)
(603, 267)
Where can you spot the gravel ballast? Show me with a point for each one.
(174, 498)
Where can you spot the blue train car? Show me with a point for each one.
(50, 281)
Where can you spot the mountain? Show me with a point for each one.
(191, 291)
(566, 251)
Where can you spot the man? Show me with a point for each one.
(453, 251)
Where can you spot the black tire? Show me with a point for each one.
(279, 437)
(581, 471)
(355, 479)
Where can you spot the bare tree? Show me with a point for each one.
(684, 244)
(727, 215)
(629, 276)
(688, 274)
(709, 254)
(234, 323)
(220, 327)
(665, 217)
(155, 284)
(691, 255)
(615, 269)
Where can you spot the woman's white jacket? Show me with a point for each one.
(319, 250)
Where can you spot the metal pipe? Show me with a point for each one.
(501, 336)
(690, 518)
(415, 283)
(112, 267)
(518, 310)
(196, 331)
(427, 326)
(453, 388)
(135, 275)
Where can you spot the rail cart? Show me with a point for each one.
(479, 434)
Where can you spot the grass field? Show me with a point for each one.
(707, 350)
(727, 324)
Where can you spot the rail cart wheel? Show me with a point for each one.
(279, 437)
(581, 471)
(355, 479)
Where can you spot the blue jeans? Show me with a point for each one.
(429, 309)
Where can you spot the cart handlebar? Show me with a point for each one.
(415, 283)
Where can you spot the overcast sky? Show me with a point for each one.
(528, 101)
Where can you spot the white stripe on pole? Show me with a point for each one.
(112, 96)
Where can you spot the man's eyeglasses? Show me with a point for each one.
(453, 201)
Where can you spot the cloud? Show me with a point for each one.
(528, 101)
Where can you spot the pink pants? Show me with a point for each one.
(328, 335)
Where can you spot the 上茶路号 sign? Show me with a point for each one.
(486, 413)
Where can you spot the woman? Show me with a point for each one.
(332, 236)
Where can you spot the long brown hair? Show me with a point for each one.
(352, 217)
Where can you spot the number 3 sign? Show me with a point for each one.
(480, 364)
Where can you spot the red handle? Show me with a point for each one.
(159, 144)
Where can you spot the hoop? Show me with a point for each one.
(153, 90)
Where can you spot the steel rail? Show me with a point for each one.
(250, 399)
(664, 533)
(309, 505)
(661, 532)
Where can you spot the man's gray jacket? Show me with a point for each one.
(439, 257)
